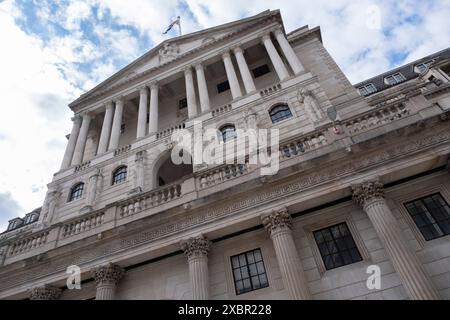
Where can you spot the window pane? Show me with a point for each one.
(251, 274)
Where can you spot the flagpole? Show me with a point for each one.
(179, 24)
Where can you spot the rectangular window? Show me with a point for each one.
(182, 104)
(431, 214)
(336, 246)
(261, 70)
(122, 128)
(249, 272)
(223, 86)
(367, 89)
(395, 78)
(421, 67)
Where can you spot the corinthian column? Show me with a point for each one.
(278, 224)
(106, 279)
(81, 140)
(142, 113)
(278, 64)
(243, 69)
(68, 154)
(231, 75)
(117, 123)
(190, 93)
(196, 251)
(369, 195)
(106, 128)
(153, 121)
(288, 52)
(45, 292)
(202, 88)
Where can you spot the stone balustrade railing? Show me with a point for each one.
(28, 243)
(151, 199)
(269, 90)
(377, 118)
(122, 150)
(221, 174)
(168, 131)
(82, 166)
(84, 224)
(221, 110)
(302, 145)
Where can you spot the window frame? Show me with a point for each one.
(221, 137)
(247, 266)
(426, 65)
(72, 190)
(395, 80)
(368, 92)
(282, 118)
(116, 172)
(225, 83)
(258, 68)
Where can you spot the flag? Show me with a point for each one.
(177, 21)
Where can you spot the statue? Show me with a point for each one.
(312, 107)
(168, 52)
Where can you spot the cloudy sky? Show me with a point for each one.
(52, 51)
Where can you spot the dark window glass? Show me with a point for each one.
(261, 70)
(119, 175)
(182, 103)
(431, 215)
(76, 192)
(223, 86)
(249, 272)
(336, 246)
(228, 132)
(279, 113)
(122, 128)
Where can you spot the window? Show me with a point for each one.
(228, 132)
(76, 192)
(261, 70)
(223, 86)
(30, 218)
(279, 113)
(14, 224)
(119, 175)
(182, 104)
(431, 215)
(336, 246)
(122, 128)
(422, 67)
(249, 272)
(367, 89)
(394, 78)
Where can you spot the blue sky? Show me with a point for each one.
(53, 51)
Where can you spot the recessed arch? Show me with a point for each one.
(166, 172)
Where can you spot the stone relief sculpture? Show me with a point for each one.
(312, 107)
(168, 52)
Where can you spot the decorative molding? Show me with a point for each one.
(108, 274)
(196, 247)
(278, 220)
(366, 191)
(45, 292)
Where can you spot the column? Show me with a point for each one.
(92, 188)
(53, 197)
(288, 52)
(231, 76)
(243, 69)
(196, 251)
(202, 88)
(278, 64)
(369, 195)
(190, 93)
(153, 128)
(278, 224)
(106, 128)
(142, 114)
(140, 171)
(117, 123)
(81, 140)
(45, 292)
(68, 154)
(106, 278)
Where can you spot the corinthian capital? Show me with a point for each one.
(278, 220)
(196, 247)
(45, 292)
(366, 191)
(108, 274)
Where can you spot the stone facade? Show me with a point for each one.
(140, 227)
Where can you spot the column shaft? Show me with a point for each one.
(244, 70)
(203, 88)
(117, 123)
(142, 114)
(153, 128)
(190, 93)
(106, 128)
(81, 141)
(288, 52)
(231, 76)
(68, 154)
(278, 64)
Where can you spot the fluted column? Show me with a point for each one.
(142, 113)
(106, 128)
(278, 64)
(117, 123)
(202, 88)
(45, 292)
(196, 251)
(278, 224)
(68, 154)
(154, 89)
(190, 93)
(106, 278)
(244, 70)
(81, 140)
(369, 195)
(231, 76)
(288, 52)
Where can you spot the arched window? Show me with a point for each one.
(76, 192)
(119, 175)
(279, 113)
(228, 132)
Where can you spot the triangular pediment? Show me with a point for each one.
(170, 50)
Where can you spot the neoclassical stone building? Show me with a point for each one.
(363, 179)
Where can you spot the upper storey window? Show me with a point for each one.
(422, 67)
(261, 70)
(76, 192)
(14, 224)
(182, 104)
(280, 112)
(223, 86)
(394, 78)
(119, 175)
(228, 132)
(367, 89)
